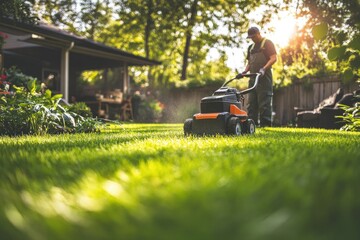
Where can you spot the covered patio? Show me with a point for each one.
(57, 58)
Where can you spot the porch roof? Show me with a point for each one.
(50, 36)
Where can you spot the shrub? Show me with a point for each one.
(31, 109)
(351, 117)
(16, 78)
(80, 108)
(149, 110)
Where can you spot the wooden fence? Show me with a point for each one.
(181, 104)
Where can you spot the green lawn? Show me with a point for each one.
(150, 182)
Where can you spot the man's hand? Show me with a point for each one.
(262, 71)
(240, 75)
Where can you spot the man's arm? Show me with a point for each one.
(247, 68)
(270, 52)
(272, 60)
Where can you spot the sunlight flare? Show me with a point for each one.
(284, 28)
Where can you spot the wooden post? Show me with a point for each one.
(126, 83)
(64, 74)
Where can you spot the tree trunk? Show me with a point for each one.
(188, 39)
(148, 28)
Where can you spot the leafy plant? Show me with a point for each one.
(351, 117)
(327, 44)
(346, 55)
(29, 108)
(81, 109)
(149, 110)
(16, 78)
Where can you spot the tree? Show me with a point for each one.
(88, 18)
(94, 17)
(60, 13)
(339, 28)
(18, 10)
(332, 30)
(188, 34)
(179, 33)
(170, 27)
(205, 18)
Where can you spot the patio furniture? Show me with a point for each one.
(127, 110)
(108, 107)
(325, 115)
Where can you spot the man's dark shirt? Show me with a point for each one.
(269, 49)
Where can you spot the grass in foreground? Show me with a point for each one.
(149, 182)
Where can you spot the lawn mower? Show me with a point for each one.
(222, 113)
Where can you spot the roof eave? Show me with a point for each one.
(81, 45)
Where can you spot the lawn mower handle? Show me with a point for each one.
(255, 84)
(245, 75)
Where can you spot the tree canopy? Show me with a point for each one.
(18, 10)
(178, 33)
(328, 43)
(181, 33)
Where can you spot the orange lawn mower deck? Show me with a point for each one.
(222, 113)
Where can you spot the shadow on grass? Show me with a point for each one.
(63, 162)
(285, 188)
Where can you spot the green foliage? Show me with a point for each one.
(351, 117)
(30, 109)
(18, 10)
(336, 53)
(20, 80)
(320, 31)
(158, 30)
(348, 75)
(94, 16)
(346, 55)
(344, 47)
(150, 182)
(298, 64)
(331, 33)
(355, 43)
(148, 109)
(58, 12)
(86, 17)
(205, 73)
(81, 109)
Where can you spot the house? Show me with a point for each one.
(58, 57)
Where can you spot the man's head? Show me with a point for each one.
(254, 34)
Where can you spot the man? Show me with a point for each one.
(261, 56)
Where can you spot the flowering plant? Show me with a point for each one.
(4, 85)
(26, 109)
